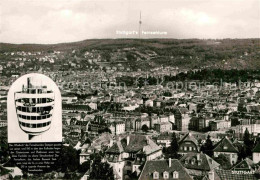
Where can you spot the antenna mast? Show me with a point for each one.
(140, 22)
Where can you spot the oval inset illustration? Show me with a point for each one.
(34, 110)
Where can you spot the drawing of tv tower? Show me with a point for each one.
(34, 108)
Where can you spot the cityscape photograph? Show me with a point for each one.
(149, 89)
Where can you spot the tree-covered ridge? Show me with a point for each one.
(150, 53)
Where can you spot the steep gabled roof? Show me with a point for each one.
(136, 143)
(257, 148)
(117, 147)
(206, 162)
(86, 141)
(103, 139)
(244, 165)
(162, 166)
(189, 137)
(151, 147)
(225, 145)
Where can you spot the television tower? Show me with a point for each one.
(140, 23)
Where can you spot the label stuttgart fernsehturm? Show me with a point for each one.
(34, 123)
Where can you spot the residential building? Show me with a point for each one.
(188, 144)
(140, 143)
(117, 127)
(182, 119)
(164, 169)
(164, 140)
(197, 123)
(67, 98)
(244, 165)
(130, 152)
(140, 122)
(114, 156)
(253, 129)
(256, 153)
(225, 147)
(163, 127)
(104, 140)
(85, 154)
(198, 163)
(219, 124)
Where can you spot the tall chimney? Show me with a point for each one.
(127, 140)
(170, 162)
(198, 156)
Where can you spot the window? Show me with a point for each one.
(225, 147)
(185, 148)
(44, 100)
(24, 109)
(34, 109)
(155, 175)
(175, 175)
(190, 148)
(166, 175)
(199, 162)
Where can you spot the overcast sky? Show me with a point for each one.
(55, 21)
